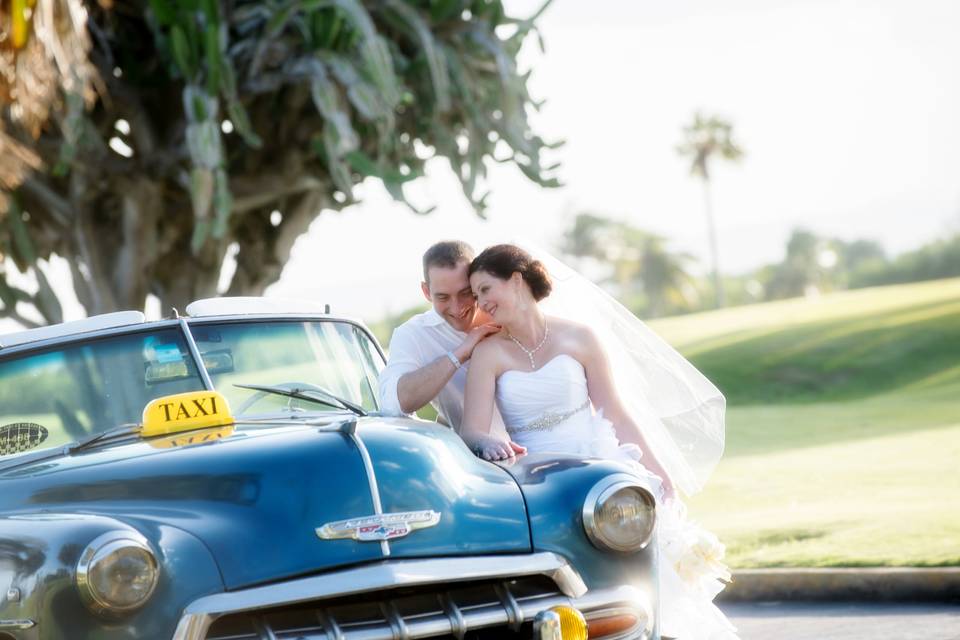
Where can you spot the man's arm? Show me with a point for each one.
(418, 387)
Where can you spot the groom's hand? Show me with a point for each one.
(474, 336)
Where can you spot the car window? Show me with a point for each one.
(334, 356)
(66, 393)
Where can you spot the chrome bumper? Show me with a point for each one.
(202, 613)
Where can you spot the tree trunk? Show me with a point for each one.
(719, 297)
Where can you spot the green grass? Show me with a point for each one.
(843, 434)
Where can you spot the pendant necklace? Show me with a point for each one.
(530, 352)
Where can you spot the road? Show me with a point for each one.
(844, 621)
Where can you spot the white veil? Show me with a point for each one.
(680, 412)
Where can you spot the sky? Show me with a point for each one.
(847, 112)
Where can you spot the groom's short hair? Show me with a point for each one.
(447, 254)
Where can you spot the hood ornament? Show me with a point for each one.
(386, 526)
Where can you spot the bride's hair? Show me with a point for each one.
(503, 260)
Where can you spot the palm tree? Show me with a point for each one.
(702, 140)
(638, 261)
(666, 282)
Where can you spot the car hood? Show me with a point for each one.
(256, 497)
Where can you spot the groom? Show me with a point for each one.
(429, 353)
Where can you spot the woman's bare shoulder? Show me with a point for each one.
(491, 349)
(568, 329)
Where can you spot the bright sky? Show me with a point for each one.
(847, 110)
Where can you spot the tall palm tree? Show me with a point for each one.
(704, 139)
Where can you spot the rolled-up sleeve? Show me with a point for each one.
(404, 357)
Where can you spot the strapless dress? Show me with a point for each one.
(548, 410)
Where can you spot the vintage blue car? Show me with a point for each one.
(227, 475)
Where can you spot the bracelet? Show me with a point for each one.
(456, 363)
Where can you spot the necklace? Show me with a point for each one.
(530, 352)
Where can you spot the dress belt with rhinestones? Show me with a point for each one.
(548, 420)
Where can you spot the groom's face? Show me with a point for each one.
(448, 289)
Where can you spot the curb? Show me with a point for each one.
(885, 584)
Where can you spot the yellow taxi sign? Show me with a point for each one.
(185, 412)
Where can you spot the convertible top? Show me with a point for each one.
(206, 308)
(93, 323)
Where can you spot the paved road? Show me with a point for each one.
(844, 621)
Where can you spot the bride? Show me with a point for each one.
(556, 390)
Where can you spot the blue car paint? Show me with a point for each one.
(555, 488)
(423, 465)
(241, 511)
(256, 497)
(44, 549)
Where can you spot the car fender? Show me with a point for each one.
(38, 565)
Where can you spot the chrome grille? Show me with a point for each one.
(475, 611)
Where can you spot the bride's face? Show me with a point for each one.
(499, 298)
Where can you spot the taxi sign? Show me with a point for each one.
(184, 412)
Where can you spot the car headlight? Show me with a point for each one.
(619, 515)
(117, 573)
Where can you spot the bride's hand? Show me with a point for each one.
(669, 491)
(490, 448)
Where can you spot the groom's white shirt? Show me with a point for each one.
(415, 344)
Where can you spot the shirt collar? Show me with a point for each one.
(432, 319)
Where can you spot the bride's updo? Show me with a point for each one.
(503, 260)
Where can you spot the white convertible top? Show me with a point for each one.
(206, 308)
(240, 306)
(94, 323)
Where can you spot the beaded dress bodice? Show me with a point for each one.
(544, 399)
(549, 410)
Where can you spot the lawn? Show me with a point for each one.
(843, 434)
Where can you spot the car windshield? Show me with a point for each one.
(312, 357)
(69, 392)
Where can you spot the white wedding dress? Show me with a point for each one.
(548, 411)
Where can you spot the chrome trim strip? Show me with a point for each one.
(195, 352)
(372, 481)
(395, 620)
(454, 615)
(264, 629)
(201, 613)
(329, 623)
(601, 603)
(514, 613)
(17, 624)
